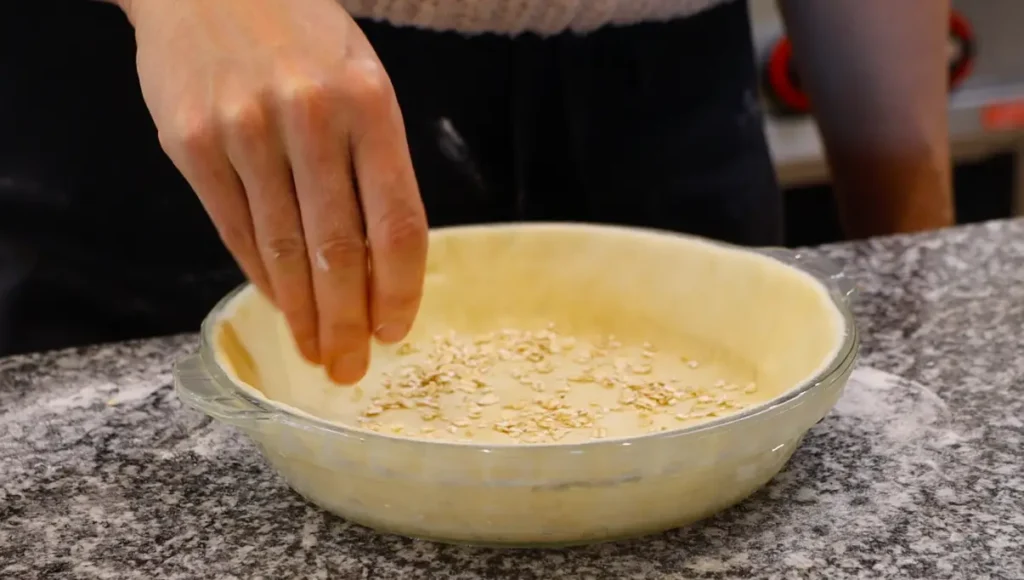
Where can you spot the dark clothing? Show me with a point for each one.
(100, 239)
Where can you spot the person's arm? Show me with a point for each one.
(876, 72)
(284, 122)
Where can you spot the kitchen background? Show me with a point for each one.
(986, 112)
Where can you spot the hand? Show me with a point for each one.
(282, 119)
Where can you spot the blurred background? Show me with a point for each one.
(986, 114)
(986, 55)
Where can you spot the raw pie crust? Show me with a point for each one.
(562, 334)
(544, 335)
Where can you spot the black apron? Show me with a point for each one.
(656, 125)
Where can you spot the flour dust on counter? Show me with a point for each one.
(892, 440)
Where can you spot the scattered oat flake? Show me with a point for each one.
(451, 373)
(488, 400)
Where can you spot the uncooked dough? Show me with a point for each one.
(707, 329)
(538, 386)
(718, 328)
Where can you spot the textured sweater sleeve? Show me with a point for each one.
(518, 16)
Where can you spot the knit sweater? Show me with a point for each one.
(512, 17)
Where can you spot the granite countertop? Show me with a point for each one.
(918, 473)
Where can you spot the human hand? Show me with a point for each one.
(284, 122)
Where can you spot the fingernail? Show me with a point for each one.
(348, 369)
(391, 332)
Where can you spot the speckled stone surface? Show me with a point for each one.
(918, 473)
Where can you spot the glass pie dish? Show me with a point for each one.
(783, 315)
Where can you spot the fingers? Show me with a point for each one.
(192, 142)
(253, 146)
(392, 209)
(277, 172)
(333, 226)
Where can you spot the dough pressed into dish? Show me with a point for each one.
(560, 333)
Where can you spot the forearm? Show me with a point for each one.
(876, 72)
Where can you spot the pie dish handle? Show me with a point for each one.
(198, 389)
(821, 268)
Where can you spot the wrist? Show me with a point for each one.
(887, 194)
